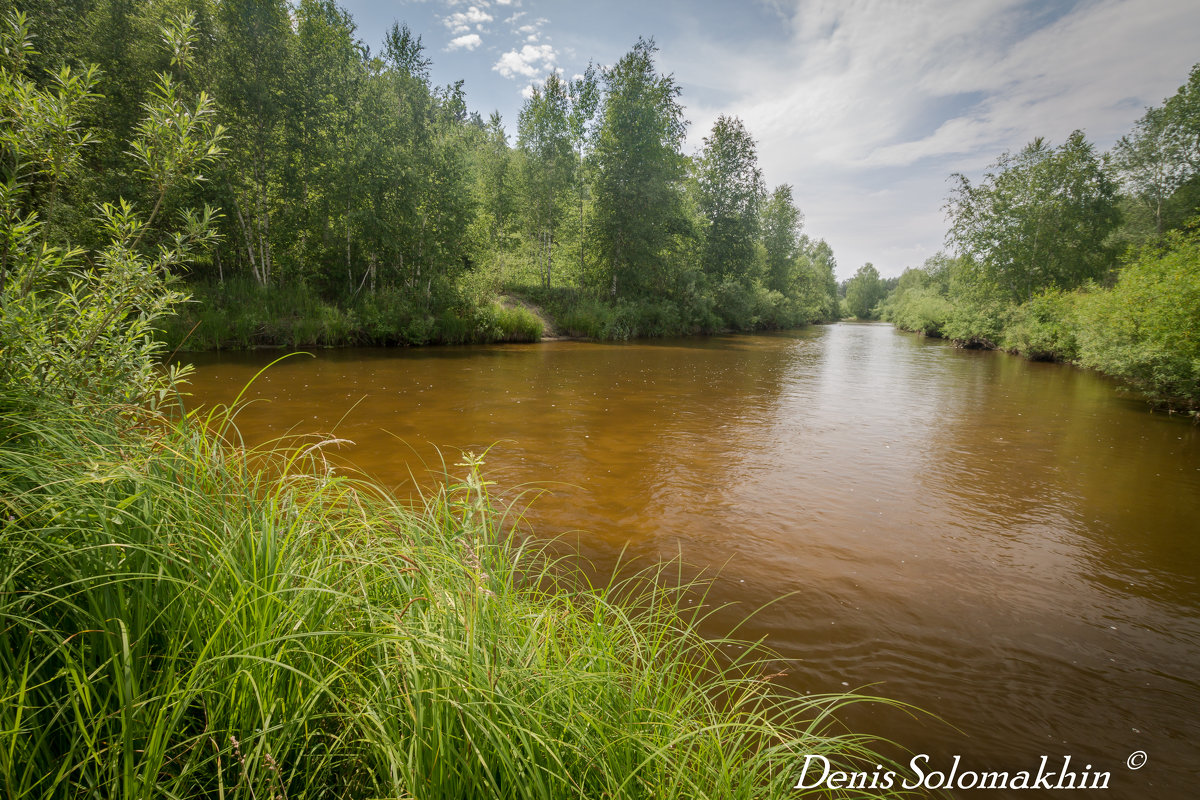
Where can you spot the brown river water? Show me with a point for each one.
(1012, 546)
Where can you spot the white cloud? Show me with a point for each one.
(530, 61)
(467, 42)
(461, 21)
(857, 95)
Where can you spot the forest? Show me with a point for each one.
(356, 203)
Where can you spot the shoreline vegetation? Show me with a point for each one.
(183, 617)
(241, 316)
(356, 202)
(1140, 330)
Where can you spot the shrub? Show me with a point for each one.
(979, 323)
(924, 310)
(76, 325)
(1044, 329)
(1146, 329)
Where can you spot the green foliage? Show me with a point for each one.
(731, 305)
(76, 324)
(639, 167)
(1041, 224)
(730, 191)
(978, 323)
(511, 324)
(1038, 219)
(864, 292)
(816, 286)
(918, 305)
(781, 223)
(240, 314)
(548, 166)
(355, 187)
(1045, 328)
(1158, 164)
(1146, 329)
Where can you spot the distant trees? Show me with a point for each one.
(864, 291)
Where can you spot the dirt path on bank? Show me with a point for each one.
(550, 332)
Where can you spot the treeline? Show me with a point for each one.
(1062, 253)
(356, 202)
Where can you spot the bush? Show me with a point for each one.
(923, 310)
(76, 325)
(1044, 329)
(978, 323)
(1146, 329)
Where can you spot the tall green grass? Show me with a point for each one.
(180, 618)
(238, 314)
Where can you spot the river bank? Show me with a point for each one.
(239, 315)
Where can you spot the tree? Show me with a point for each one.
(544, 136)
(730, 191)
(639, 170)
(495, 181)
(414, 203)
(321, 105)
(1182, 111)
(584, 92)
(251, 67)
(864, 291)
(1158, 163)
(1149, 163)
(781, 222)
(816, 285)
(1038, 219)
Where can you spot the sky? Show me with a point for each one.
(865, 107)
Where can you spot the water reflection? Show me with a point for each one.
(1011, 545)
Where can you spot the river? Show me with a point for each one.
(1012, 546)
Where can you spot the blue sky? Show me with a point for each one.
(864, 106)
